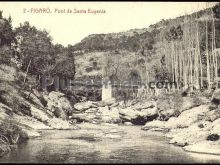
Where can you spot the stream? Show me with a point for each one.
(102, 144)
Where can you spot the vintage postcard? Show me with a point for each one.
(109, 82)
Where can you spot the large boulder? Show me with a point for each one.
(88, 115)
(165, 115)
(133, 116)
(188, 117)
(84, 106)
(128, 114)
(57, 103)
(144, 105)
(39, 114)
(138, 117)
(98, 115)
(149, 113)
(172, 105)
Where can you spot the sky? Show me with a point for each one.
(70, 28)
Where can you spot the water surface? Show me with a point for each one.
(102, 144)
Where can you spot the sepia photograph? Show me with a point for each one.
(109, 82)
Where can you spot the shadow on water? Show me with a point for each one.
(86, 138)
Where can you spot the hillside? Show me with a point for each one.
(136, 46)
(131, 39)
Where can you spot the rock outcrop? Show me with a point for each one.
(196, 128)
(106, 112)
(188, 117)
(39, 114)
(59, 105)
(96, 114)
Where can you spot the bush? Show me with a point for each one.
(5, 55)
(19, 107)
(169, 105)
(10, 133)
(170, 101)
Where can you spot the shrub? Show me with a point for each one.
(11, 133)
(89, 69)
(20, 108)
(170, 101)
(169, 105)
(5, 55)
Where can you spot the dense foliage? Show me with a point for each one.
(34, 50)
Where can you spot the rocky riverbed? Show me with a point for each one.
(194, 125)
(192, 122)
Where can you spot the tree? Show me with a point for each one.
(36, 47)
(41, 58)
(6, 32)
(64, 66)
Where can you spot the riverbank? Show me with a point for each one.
(191, 130)
(188, 120)
(195, 128)
(10, 135)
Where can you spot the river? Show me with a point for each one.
(102, 144)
